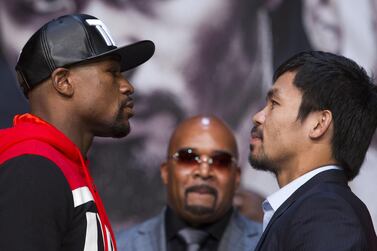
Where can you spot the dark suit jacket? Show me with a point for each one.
(321, 215)
(241, 234)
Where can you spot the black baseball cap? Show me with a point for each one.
(70, 40)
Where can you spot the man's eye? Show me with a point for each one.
(114, 72)
(274, 103)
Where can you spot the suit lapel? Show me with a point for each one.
(326, 176)
(152, 237)
(237, 235)
(232, 235)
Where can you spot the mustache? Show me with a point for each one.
(256, 132)
(202, 188)
(125, 103)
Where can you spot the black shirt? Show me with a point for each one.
(173, 224)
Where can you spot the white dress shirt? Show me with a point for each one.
(275, 200)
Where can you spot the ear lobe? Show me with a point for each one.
(164, 173)
(61, 82)
(323, 121)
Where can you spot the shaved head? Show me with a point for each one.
(201, 172)
(200, 124)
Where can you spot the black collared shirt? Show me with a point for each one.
(173, 224)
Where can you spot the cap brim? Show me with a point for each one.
(131, 55)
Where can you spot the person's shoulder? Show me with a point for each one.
(326, 194)
(35, 172)
(143, 227)
(336, 209)
(331, 203)
(29, 165)
(130, 239)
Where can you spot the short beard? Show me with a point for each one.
(118, 129)
(199, 210)
(262, 163)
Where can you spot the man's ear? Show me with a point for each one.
(164, 172)
(61, 82)
(322, 123)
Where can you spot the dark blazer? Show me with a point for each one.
(321, 215)
(241, 234)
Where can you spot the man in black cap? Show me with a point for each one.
(70, 70)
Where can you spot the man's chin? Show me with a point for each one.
(199, 215)
(120, 131)
(260, 164)
(120, 134)
(199, 210)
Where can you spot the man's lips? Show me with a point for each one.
(201, 191)
(130, 103)
(128, 106)
(255, 135)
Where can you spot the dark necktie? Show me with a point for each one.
(193, 238)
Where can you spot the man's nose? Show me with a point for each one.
(205, 170)
(259, 117)
(126, 87)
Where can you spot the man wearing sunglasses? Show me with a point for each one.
(201, 176)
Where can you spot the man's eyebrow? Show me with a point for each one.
(271, 93)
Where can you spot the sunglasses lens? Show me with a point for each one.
(187, 157)
(222, 160)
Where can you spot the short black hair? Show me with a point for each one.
(338, 84)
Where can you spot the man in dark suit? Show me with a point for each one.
(313, 134)
(201, 175)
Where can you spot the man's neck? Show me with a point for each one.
(293, 170)
(69, 128)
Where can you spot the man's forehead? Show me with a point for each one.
(284, 86)
(201, 126)
(205, 134)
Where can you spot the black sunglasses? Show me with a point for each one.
(189, 157)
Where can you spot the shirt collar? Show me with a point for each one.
(276, 199)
